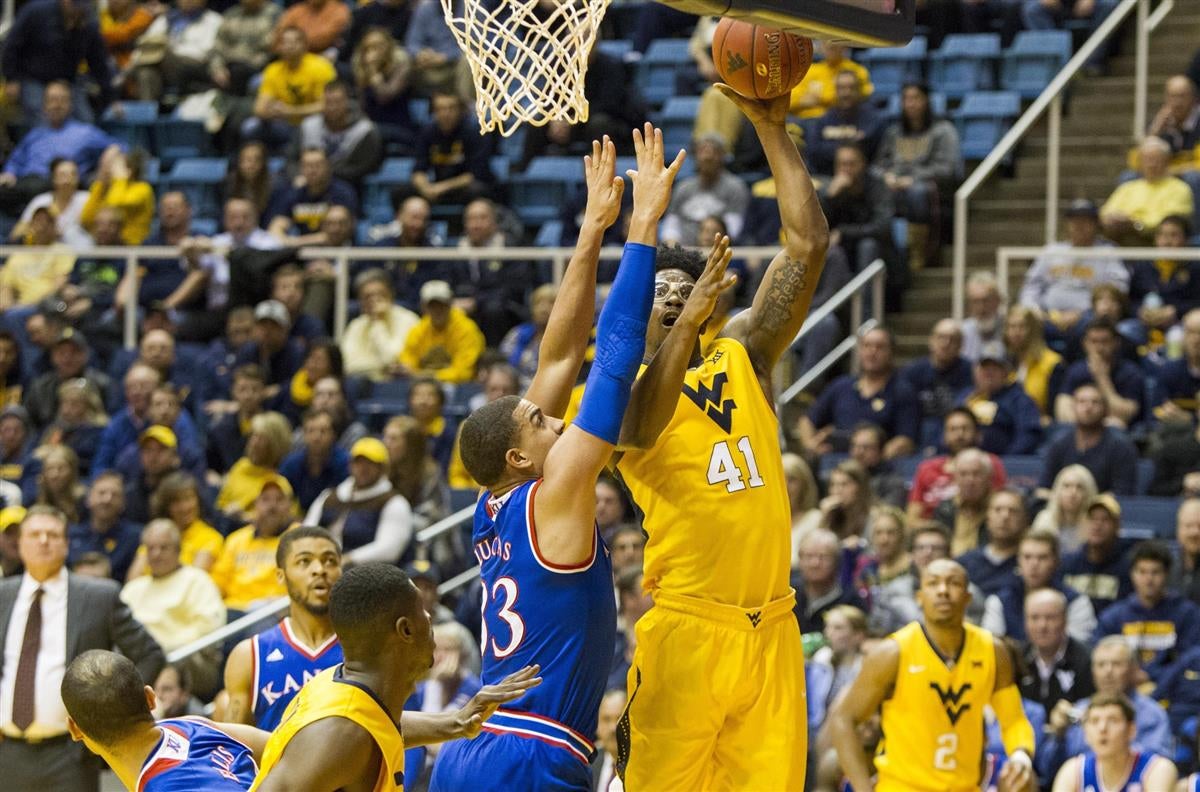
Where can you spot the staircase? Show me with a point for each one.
(1096, 136)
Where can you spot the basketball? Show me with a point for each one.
(759, 62)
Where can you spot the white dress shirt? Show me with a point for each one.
(49, 714)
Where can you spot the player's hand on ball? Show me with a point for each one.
(1017, 777)
(759, 111)
(604, 187)
(491, 697)
(713, 281)
(653, 178)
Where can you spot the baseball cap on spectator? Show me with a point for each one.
(10, 517)
(423, 570)
(1083, 207)
(161, 434)
(993, 352)
(71, 336)
(276, 481)
(371, 449)
(18, 412)
(436, 291)
(1107, 502)
(273, 311)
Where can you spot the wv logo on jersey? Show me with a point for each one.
(950, 698)
(708, 399)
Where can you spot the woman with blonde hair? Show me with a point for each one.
(1074, 488)
(268, 443)
(1039, 368)
(58, 484)
(80, 421)
(802, 497)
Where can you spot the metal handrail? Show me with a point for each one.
(1051, 99)
(1028, 253)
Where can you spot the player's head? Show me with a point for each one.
(507, 440)
(106, 699)
(944, 593)
(378, 616)
(308, 561)
(676, 271)
(1109, 725)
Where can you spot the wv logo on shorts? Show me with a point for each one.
(950, 698)
(755, 617)
(708, 399)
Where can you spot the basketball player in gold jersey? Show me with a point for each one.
(716, 687)
(346, 730)
(933, 682)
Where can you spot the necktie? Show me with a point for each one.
(23, 696)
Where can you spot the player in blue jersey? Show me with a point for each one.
(108, 709)
(1112, 765)
(547, 579)
(265, 672)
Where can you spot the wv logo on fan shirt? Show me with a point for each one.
(950, 698)
(708, 399)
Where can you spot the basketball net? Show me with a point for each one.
(528, 58)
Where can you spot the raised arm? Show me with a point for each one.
(781, 303)
(875, 681)
(565, 341)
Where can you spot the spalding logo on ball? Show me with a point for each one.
(779, 60)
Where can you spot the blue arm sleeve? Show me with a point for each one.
(620, 344)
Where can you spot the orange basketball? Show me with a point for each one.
(759, 62)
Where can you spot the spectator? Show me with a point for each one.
(984, 323)
(846, 508)
(437, 58)
(268, 442)
(1037, 568)
(1057, 665)
(292, 89)
(499, 380)
(104, 530)
(877, 396)
(166, 410)
(851, 121)
(628, 549)
(336, 231)
(1178, 382)
(1184, 577)
(79, 422)
(323, 359)
(802, 497)
(330, 395)
(453, 681)
(817, 580)
(365, 513)
(158, 455)
(1105, 451)
(127, 425)
(278, 356)
(1178, 121)
(934, 480)
(1010, 420)
(413, 471)
(319, 464)
(845, 632)
(522, 343)
(227, 436)
(1119, 381)
(288, 287)
(65, 203)
(859, 208)
(920, 161)
(427, 404)
(885, 566)
(965, 513)
(387, 16)
(452, 158)
(177, 499)
(1109, 731)
(245, 571)
(159, 351)
(27, 278)
(713, 191)
(12, 378)
(1133, 211)
(1160, 290)
(238, 52)
(69, 360)
(445, 343)
(250, 178)
(1073, 489)
(119, 185)
(302, 209)
(1040, 370)
(47, 43)
(1100, 568)
(939, 378)
(122, 22)
(1177, 693)
(866, 448)
(817, 92)
(382, 72)
(993, 566)
(1158, 625)
(173, 54)
(374, 340)
(351, 141)
(323, 22)
(58, 483)
(1060, 286)
(612, 507)
(173, 694)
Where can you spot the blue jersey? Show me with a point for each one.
(281, 665)
(194, 754)
(562, 618)
(1193, 782)
(1090, 774)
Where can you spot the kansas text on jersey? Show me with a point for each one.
(281, 665)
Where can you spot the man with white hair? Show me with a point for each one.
(1178, 120)
(965, 513)
(817, 581)
(1057, 666)
(939, 378)
(1134, 210)
(985, 318)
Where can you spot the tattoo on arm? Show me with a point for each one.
(785, 286)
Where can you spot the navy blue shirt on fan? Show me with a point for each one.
(842, 404)
(936, 390)
(1128, 378)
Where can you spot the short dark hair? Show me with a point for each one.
(429, 382)
(486, 436)
(674, 257)
(929, 528)
(289, 538)
(104, 694)
(1114, 700)
(250, 371)
(966, 413)
(1182, 222)
(1101, 323)
(365, 603)
(1151, 551)
(876, 431)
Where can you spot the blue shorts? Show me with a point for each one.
(507, 762)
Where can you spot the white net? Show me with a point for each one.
(528, 58)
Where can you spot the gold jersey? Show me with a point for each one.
(713, 491)
(330, 695)
(933, 727)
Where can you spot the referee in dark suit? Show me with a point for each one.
(47, 618)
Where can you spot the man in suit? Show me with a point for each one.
(1057, 667)
(47, 618)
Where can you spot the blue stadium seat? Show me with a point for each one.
(418, 111)
(501, 167)
(391, 390)
(1033, 59)
(549, 234)
(937, 105)
(152, 171)
(205, 226)
(616, 48)
(176, 138)
(1145, 475)
(133, 123)
(540, 192)
(677, 119)
(657, 69)
(1023, 471)
(891, 67)
(982, 120)
(197, 178)
(1144, 513)
(965, 62)
(377, 205)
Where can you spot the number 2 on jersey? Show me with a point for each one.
(947, 746)
(506, 587)
(722, 469)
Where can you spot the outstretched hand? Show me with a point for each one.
(489, 698)
(759, 111)
(712, 283)
(653, 178)
(604, 188)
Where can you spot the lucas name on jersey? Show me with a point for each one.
(493, 548)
